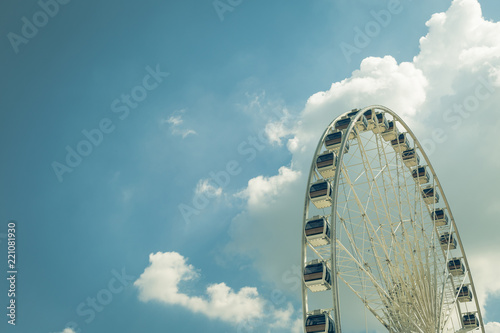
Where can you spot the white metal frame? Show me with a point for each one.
(384, 243)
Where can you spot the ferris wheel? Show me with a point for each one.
(376, 219)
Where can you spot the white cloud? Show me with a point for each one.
(452, 86)
(282, 317)
(492, 327)
(68, 330)
(486, 271)
(161, 279)
(276, 130)
(204, 187)
(175, 121)
(262, 190)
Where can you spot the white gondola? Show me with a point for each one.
(456, 267)
(320, 194)
(362, 124)
(317, 276)
(420, 175)
(448, 241)
(370, 118)
(319, 322)
(464, 294)
(400, 144)
(391, 133)
(334, 140)
(318, 231)
(470, 321)
(381, 123)
(326, 164)
(410, 158)
(430, 195)
(344, 122)
(440, 218)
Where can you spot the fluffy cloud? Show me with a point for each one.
(246, 308)
(486, 277)
(448, 94)
(261, 189)
(492, 327)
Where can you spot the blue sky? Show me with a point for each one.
(227, 79)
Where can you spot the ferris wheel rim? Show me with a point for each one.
(334, 204)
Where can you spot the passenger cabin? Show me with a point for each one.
(381, 123)
(343, 123)
(456, 267)
(319, 322)
(464, 294)
(400, 144)
(440, 218)
(430, 195)
(447, 241)
(326, 164)
(410, 158)
(317, 276)
(369, 115)
(320, 194)
(353, 113)
(334, 140)
(391, 133)
(362, 124)
(470, 321)
(420, 175)
(317, 231)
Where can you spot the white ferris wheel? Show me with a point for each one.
(376, 218)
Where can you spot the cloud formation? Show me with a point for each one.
(205, 187)
(160, 282)
(492, 327)
(176, 124)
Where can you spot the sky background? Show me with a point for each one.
(186, 215)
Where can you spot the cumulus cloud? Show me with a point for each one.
(276, 130)
(492, 327)
(262, 189)
(176, 124)
(161, 279)
(486, 275)
(452, 87)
